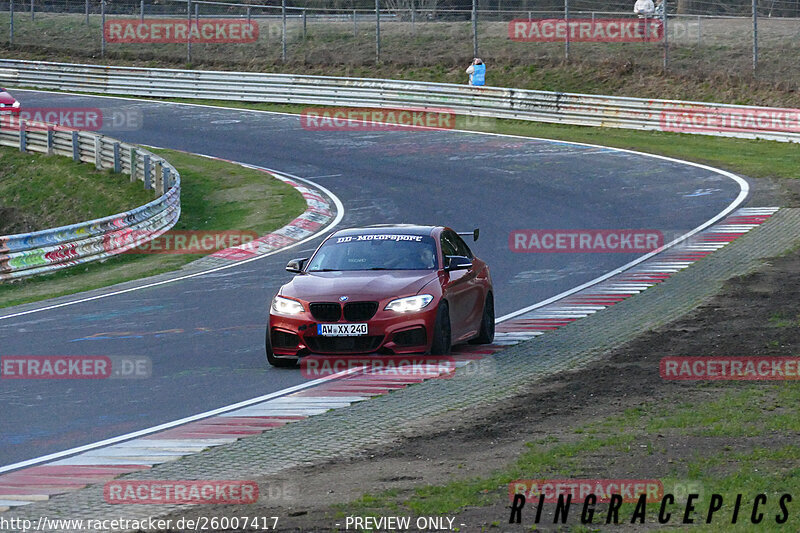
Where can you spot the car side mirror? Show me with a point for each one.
(296, 266)
(457, 262)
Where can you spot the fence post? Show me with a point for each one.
(76, 147)
(377, 31)
(566, 34)
(413, 19)
(141, 10)
(699, 31)
(304, 24)
(50, 140)
(132, 159)
(666, 35)
(158, 178)
(87, 12)
(102, 28)
(11, 22)
(189, 31)
(474, 28)
(98, 155)
(248, 16)
(355, 25)
(117, 159)
(23, 136)
(147, 183)
(755, 36)
(283, 30)
(33, 16)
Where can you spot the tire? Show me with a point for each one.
(441, 331)
(276, 361)
(486, 333)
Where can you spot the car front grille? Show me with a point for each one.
(365, 344)
(283, 339)
(326, 311)
(360, 311)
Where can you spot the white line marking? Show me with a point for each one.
(174, 423)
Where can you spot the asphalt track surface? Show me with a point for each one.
(205, 335)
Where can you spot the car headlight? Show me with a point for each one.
(15, 104)
(285, 306)
(409, 304)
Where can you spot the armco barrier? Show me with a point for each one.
(564, 108)
(44, 251)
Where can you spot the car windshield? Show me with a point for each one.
(375, 252)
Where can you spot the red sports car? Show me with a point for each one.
(387, 289)
(8, 105)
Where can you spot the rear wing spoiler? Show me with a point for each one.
(475, 233)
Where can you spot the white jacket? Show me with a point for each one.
(644, 8)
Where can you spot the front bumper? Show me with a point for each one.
(388, 332)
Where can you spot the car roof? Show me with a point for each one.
(389, 229)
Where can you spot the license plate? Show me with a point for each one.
(341, 330)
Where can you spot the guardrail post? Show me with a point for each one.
(76, 147)
(23, 136)
(147, 183)
(50, 140)
(98, 156)
(166, 178)
(158, 175)
(132, 162)
(117, 159)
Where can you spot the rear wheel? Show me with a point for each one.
(276, 361)
(441, 331)
(486, 334)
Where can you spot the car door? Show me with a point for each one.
(460, 289)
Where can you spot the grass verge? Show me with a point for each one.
(215, 195)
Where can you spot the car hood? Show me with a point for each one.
(6, 99)
(357, 286)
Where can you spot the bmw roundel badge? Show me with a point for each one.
(343, 298)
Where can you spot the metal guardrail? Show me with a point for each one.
(48, 250)
(541, 106)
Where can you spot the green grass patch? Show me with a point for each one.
(39, 192)
(215, 195)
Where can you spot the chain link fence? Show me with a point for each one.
(698, 37)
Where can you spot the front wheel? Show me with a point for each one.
(441, 331)
(486, 333)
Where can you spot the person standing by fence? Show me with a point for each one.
(477, 72)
